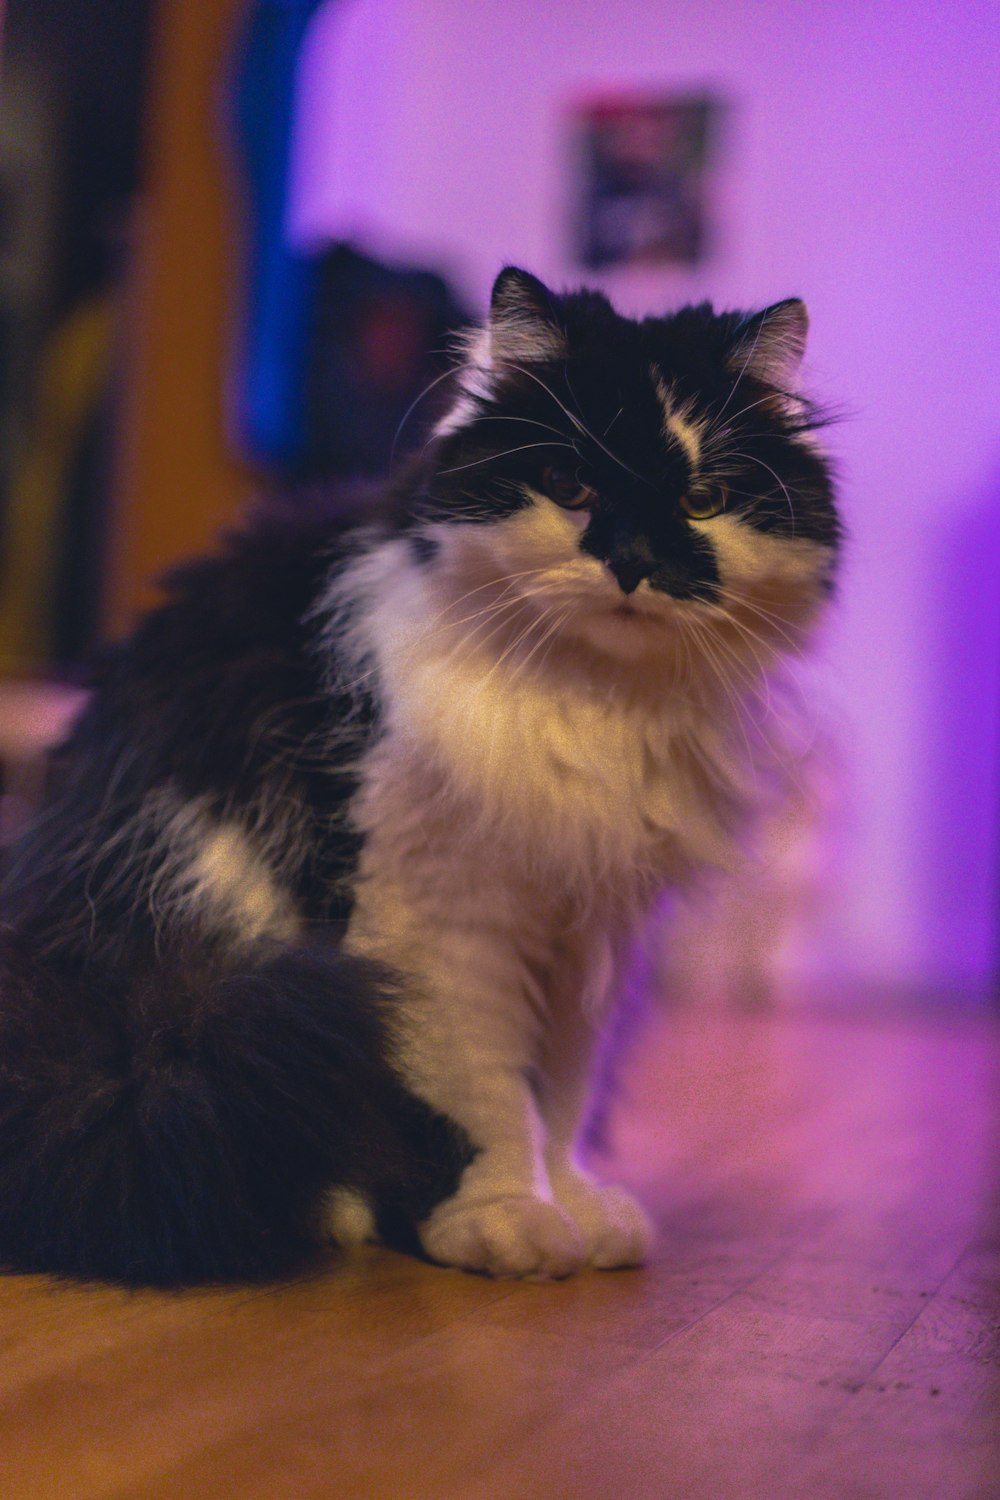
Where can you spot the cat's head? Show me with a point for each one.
(629, 474)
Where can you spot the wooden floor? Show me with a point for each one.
(820, 1320)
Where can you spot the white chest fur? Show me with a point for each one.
(584, 780)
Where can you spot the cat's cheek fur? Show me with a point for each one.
(535, 551)
(789, 573)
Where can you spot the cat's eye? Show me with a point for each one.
(705, 505)
(563, 486)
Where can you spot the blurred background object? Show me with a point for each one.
(642, 180)
(409, 148)
(71, 110)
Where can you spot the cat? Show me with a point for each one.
(342, 862)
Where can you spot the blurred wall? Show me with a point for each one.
(859, 170)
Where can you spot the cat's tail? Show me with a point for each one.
(180, 1125)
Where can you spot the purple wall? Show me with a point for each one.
(860, 171)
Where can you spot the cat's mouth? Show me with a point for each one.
(627, 611)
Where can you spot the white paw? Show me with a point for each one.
(514, 1236)
(613, 1227)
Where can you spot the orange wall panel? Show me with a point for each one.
(178, 479)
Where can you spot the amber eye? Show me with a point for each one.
(563, 486)
(709, 503)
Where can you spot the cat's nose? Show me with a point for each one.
(629, 574)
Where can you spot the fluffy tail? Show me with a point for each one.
(179, 1125)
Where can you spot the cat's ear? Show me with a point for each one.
(523, 324)
(770, 345)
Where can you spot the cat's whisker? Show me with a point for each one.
(746, 365)
(547, 638)
(752, 406)
(501, 618)
(742, 670)
(537, 617)
(432, 385)
(440, 622)
(685, 688)
(750, 458)
(492, 458)
(491, 582)
(703, 637)
(757, 682)
(586, 432)
(765, 657)
(565, 616)
(536, 622)
(773, 621)
(780, 752)
(504, 418)
(476, 688)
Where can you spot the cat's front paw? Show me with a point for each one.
(506, 1236)
(614, 1228)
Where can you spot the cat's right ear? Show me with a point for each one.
(771, 343)
(523, 323)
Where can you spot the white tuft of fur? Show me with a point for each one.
(512, 338)
(475, 383)
(773, 345)
(210, 871)
(517, 337)
(347, 1217)
(749, 560)
(680, 423)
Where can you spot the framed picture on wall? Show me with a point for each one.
(643, 178)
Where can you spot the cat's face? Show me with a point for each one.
(621, 477)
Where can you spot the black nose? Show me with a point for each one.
(629, 574)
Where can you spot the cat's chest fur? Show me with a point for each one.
(582, 779)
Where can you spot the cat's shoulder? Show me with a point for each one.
(251, 597)
(230, 646)
(261, 582)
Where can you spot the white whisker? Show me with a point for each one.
(749, 457)
(412, 408)
(587, 433)
(491, 458)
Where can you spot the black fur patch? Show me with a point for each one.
(171, 1112)
(597, 413)
(220, 695)
(174, 1124)
(423, 547)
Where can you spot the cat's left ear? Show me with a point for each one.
(770, 345)
(523, 323)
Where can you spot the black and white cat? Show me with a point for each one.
(342, 862)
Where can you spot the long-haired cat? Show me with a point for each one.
(342, 861)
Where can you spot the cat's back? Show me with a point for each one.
(211, 722)
(231, 642)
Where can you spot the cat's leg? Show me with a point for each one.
(613, 1226)
(468, 1045)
